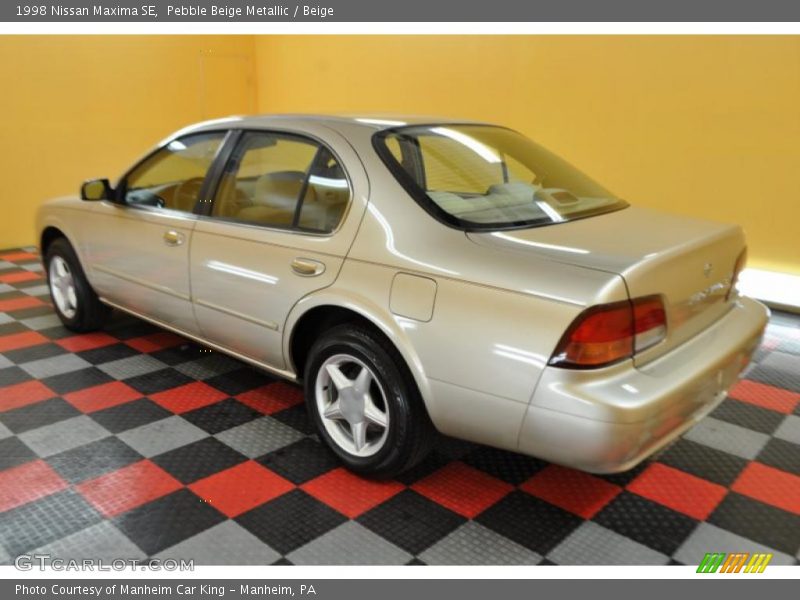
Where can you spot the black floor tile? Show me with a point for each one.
(782, 455)
(703, 461)
(296, 417)
(759, 522)
(776, 377)
(32, 525)
(624, 478)
(177, 355)
(411, 521)
(646, 522)
(290, 521)
(13, 376)
(31, 353)
(748, 416)
(302, 461)
(93, 459)
(38, 415)
(59, 332)
(76, 380)
(130, 415)
(35, 311)
(162, 523)
(127, 328)
(239, 381)
(529, 521)
(14, 326)
(198, 460)
(432, 463)
(508, 466)
(221, 416)
(158, 381)
(14, 453)
(104, 354)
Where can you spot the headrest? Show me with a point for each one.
(279, 189)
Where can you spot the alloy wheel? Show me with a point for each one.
(62, 287)
(352, 405)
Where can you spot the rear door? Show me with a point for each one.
(138, 250)
(283, 216)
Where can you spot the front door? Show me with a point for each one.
(139, 248)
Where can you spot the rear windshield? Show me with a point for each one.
(484, 177)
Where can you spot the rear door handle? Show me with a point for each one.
(307, 267)
(173, 238)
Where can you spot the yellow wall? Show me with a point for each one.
(706, 126)
(75, 107)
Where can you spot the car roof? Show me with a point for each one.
(375, 122)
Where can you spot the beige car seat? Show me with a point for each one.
(274, 198)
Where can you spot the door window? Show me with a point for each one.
(284, 181)
(173, 176)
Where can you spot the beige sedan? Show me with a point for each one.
(417, 275)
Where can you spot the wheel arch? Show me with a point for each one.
(314, 314)
(49, 234)
(52, 225)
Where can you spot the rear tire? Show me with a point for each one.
(365, 403)
(74, 300)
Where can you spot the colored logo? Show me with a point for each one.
(737, 562)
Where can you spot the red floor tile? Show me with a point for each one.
(18, 255)
(188, 397)
(765, 396)
(102, 396)
(770, 485)
(578, 492)
(125, 489)
(87, 341)
(22, 394)
(15, 341)
(156, 341)
(13, 304)
(19, 277)
(27, 483)
(272, 398)
(679, 491)
(240, 488)
(350, 494)
(463, 489)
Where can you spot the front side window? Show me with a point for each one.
(485, 177)
(173, 176)
(284, 181)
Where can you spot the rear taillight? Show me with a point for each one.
(737, 269)
(608, 333)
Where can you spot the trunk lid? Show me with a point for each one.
(688, 262)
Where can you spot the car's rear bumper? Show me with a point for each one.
(609, 420)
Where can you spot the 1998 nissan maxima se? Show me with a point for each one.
(417, 276)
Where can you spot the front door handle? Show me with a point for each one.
(173, 238)
(307, 267)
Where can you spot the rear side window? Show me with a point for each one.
(479, 177)
(282, 181)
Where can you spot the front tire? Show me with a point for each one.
(74, 300)
(365, 403)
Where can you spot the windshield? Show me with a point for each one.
(486, 177)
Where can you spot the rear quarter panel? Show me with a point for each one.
(479, 357)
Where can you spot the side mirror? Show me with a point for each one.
(96, 189)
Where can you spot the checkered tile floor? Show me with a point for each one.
(134, 443)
